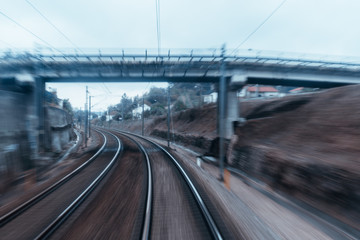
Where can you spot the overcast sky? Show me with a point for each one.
(326, 27)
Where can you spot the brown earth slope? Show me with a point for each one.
(194, 128)
(306, 144)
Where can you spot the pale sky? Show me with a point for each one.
(325, 27)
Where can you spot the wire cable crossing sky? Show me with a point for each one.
(53, 25)
(261, 24)
(319, 28)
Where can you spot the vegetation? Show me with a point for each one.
(67, 106)
(182, 96)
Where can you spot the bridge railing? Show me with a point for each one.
(183, 55)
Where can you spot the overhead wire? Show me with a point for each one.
(146, 88)
(30, 32)
(260, 25)
(158, 29)
(54, 26)
(107, 89)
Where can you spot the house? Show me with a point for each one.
(296, 90)
(137, 112)
(260, 91)
(110, 116)
(211, 98)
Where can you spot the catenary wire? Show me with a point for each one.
(261, 24)
(157, 3)
(30, 32)
(54, 26)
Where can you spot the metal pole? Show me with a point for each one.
(168, 117)
(142, 129)
(86, 117)
(222, 106)
(80, 118)
(122, 115)
(89, 116)
(200, 102)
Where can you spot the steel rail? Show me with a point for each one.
(26, 205)
(50, 229)
(147, 221)
(148, 209)
(209, 220)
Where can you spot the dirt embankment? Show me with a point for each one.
(307, 145)
(194, 128)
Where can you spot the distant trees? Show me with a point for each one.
(157, 109)
(182, 96)
(67, 106)
(156, 96)
(179, 106)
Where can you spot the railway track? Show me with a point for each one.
(174, 207)
(42, 215)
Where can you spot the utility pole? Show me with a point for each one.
(142, 129)
(222, 106)
(122, 115)
(109, 118)
(200, 100)
(80, 118)
(168, 117)
(89, 116)
(86, 117)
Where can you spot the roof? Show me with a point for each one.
(297, 89)
(262, 89)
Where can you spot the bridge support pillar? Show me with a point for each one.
(39, 97)
(232, 112)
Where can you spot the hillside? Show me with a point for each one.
(194, 128)
(305, 145)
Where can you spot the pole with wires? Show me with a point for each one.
(86, 117)
(122, 115)
(142, 116)
(222, 106)
(168, 116)
(89, 116)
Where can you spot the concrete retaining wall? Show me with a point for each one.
(15, 124)
(58, 128)
(18, 131)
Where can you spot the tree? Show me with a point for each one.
(125, 106)
(67, 106)
(157, 109)
(179, 106)
(156, 95)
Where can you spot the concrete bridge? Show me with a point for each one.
(232, 72)
(180, 68)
